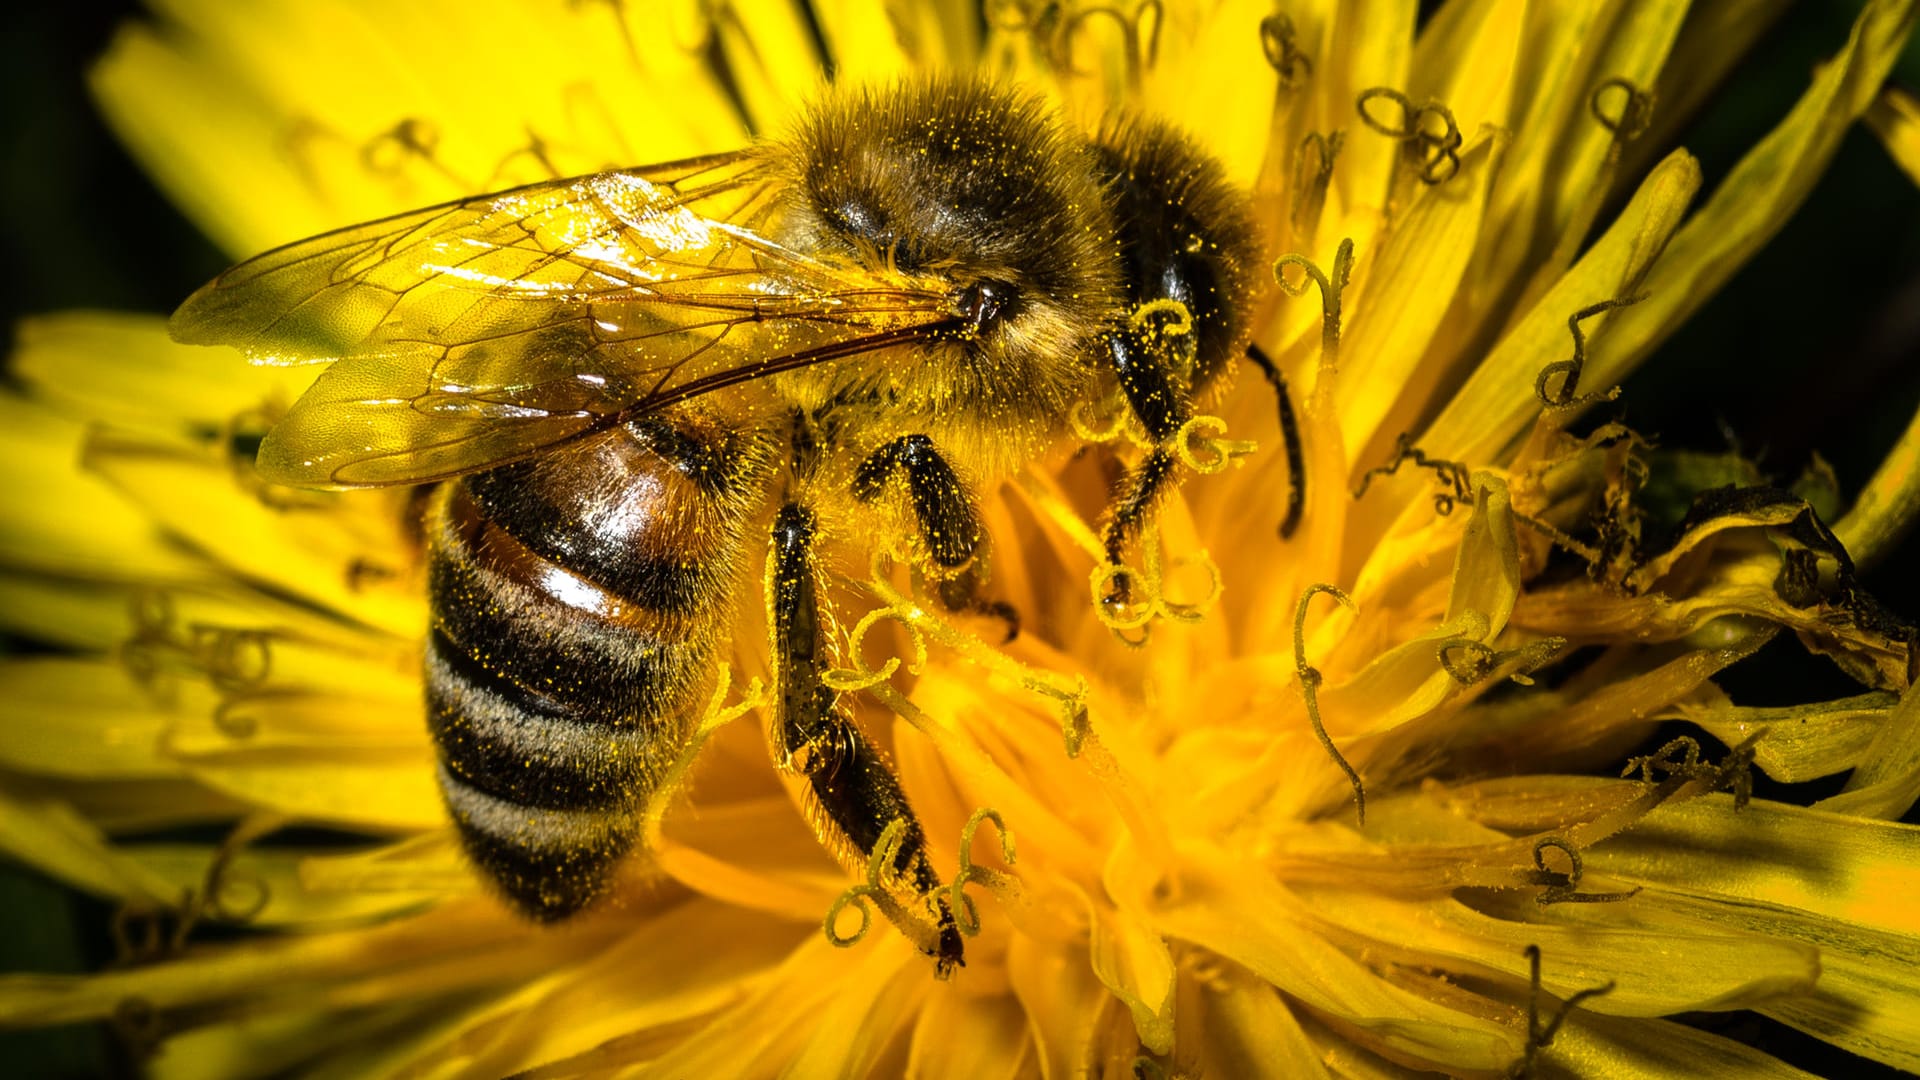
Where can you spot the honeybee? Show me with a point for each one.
(625, 382)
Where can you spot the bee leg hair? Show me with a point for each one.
(851, 794)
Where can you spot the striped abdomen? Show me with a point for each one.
(576, 601)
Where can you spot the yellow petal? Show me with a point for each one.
(431, 862)
(1887, 780)
(1212, 79)
(769, 1026)
(1843, 868)
(159, 102)
(1590, 712)
(1403, 294)
(1465, 60)
(447, 100)
(1865, 1000)
(320, 553)
(1367, 44)
(82, 616)
(272, 722)
(1758, 196)
(756, 853)
(265, 887)
(1713, 40)
(1838, 883)
(1498, 399)
(58, 521)
(1895, 117)
(1486, 573)
(1411, 679)
(1232, 1024)
(123, 370)
(770, 52)
(1062, 1000)
(48, 835)
(1558, 146)
(145, 806)
(876, 1000)
(1638, 951)
(1589, 1045)
(871, 41)
(1400, 684)
(454, 947)
(86, 719)
(1233, 909)
(673, 968)
(1796, 742)
(1134, 963)
(369, 790)
(262, 1045)
(960, 1036)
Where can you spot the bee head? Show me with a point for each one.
(1185, 234)
(981, 190)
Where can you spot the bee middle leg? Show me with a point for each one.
(852, 795)
(949, 524)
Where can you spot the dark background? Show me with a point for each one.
(1815, 346)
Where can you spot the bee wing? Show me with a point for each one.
(478, 332)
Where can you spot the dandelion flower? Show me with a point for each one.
(1348, 784)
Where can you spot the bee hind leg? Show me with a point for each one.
(851, 793)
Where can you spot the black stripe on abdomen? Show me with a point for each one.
(553, 635)
(577, 601)
(529, 748)
(556, 708)
(549, 863)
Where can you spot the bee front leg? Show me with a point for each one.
(1158, 397)
(949, 525)
(852, 795)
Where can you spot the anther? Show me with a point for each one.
(1564, 888)
(1277, 44)
(1310, 685)
(1540, 1036)
(1636, 109)
(1331, 289)
(1435, 156)
(1564, 398)
(1734, 773)
(965, 915)
(1312, 175)
(1452, 473)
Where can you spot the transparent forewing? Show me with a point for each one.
(431, 274)
(481, 331)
